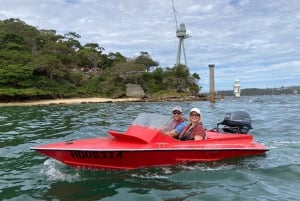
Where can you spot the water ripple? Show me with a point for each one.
(26, 175)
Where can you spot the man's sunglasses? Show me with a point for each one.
(176, 112)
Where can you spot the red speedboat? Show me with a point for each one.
(143, 144)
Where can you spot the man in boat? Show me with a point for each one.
(175, 127)
(194, 130)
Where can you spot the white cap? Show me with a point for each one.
(177, 108)
(197, 110)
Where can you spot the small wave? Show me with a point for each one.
(150, 176)
(22, 197)
(164, 172)
(281, 144)
(54, 171)
(152, 173)
(287, 142)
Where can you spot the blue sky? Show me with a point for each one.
(256, 41)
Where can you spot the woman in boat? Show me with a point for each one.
(175, 127)
(194, 130)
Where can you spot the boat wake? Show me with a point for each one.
(53, 170)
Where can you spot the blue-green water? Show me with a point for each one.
(27, 175)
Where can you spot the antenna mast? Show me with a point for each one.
(173, 7)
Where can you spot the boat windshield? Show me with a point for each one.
(152, 120)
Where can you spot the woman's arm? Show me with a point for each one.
(200, 133)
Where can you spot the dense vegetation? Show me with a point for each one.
(38, 63)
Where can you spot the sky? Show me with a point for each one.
(255, 41)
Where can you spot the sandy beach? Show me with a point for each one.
(70, 101)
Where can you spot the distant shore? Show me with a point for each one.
(70, 101)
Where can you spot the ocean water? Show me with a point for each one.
(27, 175)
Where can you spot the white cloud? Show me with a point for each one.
(255, 41)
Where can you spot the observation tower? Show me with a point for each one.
(181, 35)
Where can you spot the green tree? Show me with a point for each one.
(14, 75)
(181, 71)
(90, 55)
(22, 30)
(48, 65)
(196, 76)
(145, 59)
(127, 67)
(71, 40)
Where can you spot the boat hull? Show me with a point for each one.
(138, 158)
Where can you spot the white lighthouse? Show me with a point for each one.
(236, 88)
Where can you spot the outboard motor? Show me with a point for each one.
(236, 122)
